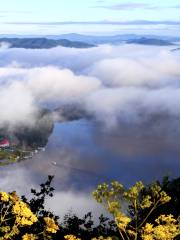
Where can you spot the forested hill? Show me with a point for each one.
(150, 41)
(42, 43)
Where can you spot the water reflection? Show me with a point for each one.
(84, 155)
(81, 154)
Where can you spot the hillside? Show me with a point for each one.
(112, 39)
(150, 41)
(175, 49)
(43, 43)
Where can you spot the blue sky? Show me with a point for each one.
(46, 16)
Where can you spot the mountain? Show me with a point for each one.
(115, 39)
(70, 113)
(175, 49)
(74, 40)
(31, 136)
(94, 39)
(43, 43)
(150, 41)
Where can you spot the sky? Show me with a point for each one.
(55, 16)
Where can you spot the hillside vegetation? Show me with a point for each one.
(42, 43)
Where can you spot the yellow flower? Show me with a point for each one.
(14, 197)
(146, 202)
(113, 207)
(23, 213)
(4, 197)
(131, 233)
(71, 237)
(148, 237)
(5, 229)
(167, 229)
(134, 191)
(148, 228)
(122, 221)
(164, 198)
(29, 237)
(166, 219)
(102, 238)
(50, 225)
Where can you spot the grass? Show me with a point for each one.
(7, 157)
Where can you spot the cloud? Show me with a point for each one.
(18, 12)
(64, 84)
(23, 109)
(149, 72)
(114, 83)
(39, 85)
(134, 6)
(135, 106)
(103, 22)
(125, 6)
(12, 179)
(72, 201)
(177, 6)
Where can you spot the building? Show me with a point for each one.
(4, 143)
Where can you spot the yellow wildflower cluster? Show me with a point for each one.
(71, 237)
(29, 237)
(23, 213)
(113, 207)
(5, 229)
(51, 225)
(122, 221)
(146, 202)
(106, 192)
(137, 199)
(134, 191)
(159, 194)
(11, 232)
(102, 238)
(4, 197)
(164, 198)
(167, 229)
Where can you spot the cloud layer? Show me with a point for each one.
(124, 83)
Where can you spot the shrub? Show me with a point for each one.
(141, 202)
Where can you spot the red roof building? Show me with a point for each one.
(4, 143)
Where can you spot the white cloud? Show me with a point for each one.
(126, 82)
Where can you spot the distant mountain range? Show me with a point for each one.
(175, 49)
(85, 41)
(117, 39)
(43, 43)
(150, 41)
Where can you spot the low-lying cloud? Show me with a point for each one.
(126, 83)
(24, 90)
